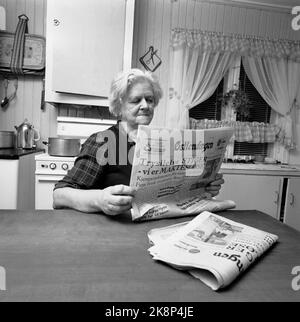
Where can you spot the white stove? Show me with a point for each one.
(49, 170)
(47, 164)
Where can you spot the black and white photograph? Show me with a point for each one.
(93, 210)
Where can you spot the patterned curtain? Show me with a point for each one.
(278, 85)
(278, 82)
(240, 44)
(253, 132)
(194, 76)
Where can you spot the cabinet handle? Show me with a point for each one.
(292, 199)
(277, 197)
(56, 22)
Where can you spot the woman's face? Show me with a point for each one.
(139, 104)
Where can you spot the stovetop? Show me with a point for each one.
(47, 157)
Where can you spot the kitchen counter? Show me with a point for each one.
(65, 255)
(15, 154)
(260, 169)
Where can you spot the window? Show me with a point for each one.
(260, 111)
(209, 109)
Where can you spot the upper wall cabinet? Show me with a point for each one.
(88, 43)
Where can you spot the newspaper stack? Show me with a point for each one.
(212, 248)
(171, 169)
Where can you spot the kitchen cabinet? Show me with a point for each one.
(270, 190)
(292, 203)
(253, 192)
(17, 185)
(9, 184)
(88, 43)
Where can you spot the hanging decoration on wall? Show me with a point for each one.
(150, 60)
(22, 53)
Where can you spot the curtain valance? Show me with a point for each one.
(244, 45)
(253, 132)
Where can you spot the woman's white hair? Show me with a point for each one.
(122, 84)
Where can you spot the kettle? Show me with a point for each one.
(26, 135)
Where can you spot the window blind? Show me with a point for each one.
(260, 111)
(209, 109)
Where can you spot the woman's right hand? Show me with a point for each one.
(115, 200)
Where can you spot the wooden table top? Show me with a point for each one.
(64, 255)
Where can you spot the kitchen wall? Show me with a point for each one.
(27, 104)
(154, 20)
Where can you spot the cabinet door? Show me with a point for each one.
(88, 43)
(88, 46)
(44, 185)
(253, 192)
(9, 173)
(292, 203)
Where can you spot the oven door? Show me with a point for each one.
(44, 184)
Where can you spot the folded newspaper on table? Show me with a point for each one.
(171, 169)
(212, 248)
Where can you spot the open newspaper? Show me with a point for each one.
(171, 169)
(212, 248)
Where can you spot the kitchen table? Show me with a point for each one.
(65, 255)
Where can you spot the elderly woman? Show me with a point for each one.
(99, 180)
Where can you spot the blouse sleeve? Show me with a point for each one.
(87, 171)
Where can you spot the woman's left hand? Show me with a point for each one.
(214, 187)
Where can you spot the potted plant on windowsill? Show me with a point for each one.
(239, 101)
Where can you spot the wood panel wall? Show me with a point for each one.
(27, 104)
(154, 20)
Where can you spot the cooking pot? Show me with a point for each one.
(63, 147)
(7, 139)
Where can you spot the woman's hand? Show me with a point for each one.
(214, 187)
(115, 200)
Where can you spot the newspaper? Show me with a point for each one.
(171, 169)
(211, 248)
